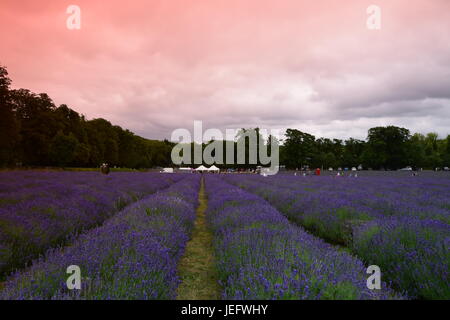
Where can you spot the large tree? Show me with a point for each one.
(446, 153)
(299, 148)
(9, 131)
(38, 125)
(63, 149)
(353, 150)
(387, 147)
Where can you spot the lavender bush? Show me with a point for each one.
(400, 223)
(39, 210)
(413, 253)
(262, 256)
(134, 255)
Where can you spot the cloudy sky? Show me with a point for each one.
(156, 65)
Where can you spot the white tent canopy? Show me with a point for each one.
(202, 168)
(214, 169)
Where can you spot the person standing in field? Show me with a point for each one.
(104, 168)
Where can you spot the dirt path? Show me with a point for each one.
(197, 269)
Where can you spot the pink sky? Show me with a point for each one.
(154, 66)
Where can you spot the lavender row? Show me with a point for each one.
(39, 210)
(263, 256)
(365, 197)
(413, 253)
(134, 255)
(407, 236)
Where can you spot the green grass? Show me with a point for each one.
(197, 268)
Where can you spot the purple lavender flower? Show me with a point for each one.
(40, 210)
(261, 255)
(134, 255)
(397, 222)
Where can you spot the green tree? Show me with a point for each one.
(446, 153)
(352, 153)
(81, 155)
(416, 150)
(329, 160)
(299, 148)
(38, 125)
(387, 147)
(9, 130)
(432, 155)
(63, 149)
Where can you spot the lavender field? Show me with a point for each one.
(278, 237)
(40, 210)
(398, 222)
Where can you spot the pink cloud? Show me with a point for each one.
(153, 66)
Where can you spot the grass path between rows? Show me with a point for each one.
(197, 269)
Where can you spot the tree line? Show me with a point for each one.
(386, 148)
(36, 132)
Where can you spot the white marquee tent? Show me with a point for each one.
(202, 169)
(214, 169)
